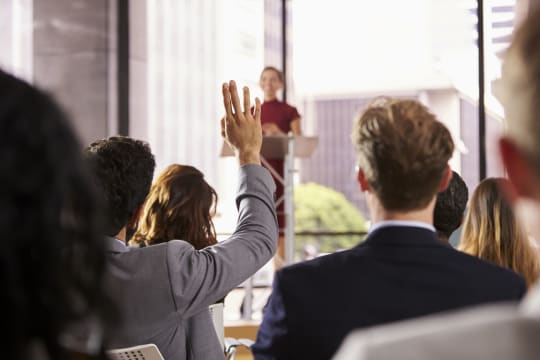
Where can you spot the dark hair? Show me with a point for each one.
(123, 169)
(179, 206)
(52, 260)
(450, 207)
(403, 151)
(272, 68)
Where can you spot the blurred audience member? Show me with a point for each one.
(492, 232)
(401, 270)
(450, 207)
(161, 287)
(497, 332)
(180, 205)
(52, 259)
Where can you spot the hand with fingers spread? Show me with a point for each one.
(240, 128)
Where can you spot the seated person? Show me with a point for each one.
(492, 232)
(162, 286)
(450, 207)
(496, 332)
(52, 263)
(401, 270)
(180, 206)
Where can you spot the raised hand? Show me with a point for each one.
(240, 128)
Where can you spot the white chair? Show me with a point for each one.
(229, 344)
(216, 312)
(141, 352)
(232, 344)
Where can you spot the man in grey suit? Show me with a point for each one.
(493, 332)
(161, 288)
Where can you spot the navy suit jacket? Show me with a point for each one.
(397, 273)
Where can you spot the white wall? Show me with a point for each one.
(365, 46)
(192, 47)
(16, 37)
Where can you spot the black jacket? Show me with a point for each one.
(397, 273)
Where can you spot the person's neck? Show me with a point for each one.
(379, 213)
(443, 237)
(268, 98)
(415, 215)
(121, 235)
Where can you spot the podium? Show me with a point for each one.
(287, 147)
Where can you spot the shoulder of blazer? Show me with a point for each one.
(403, 236)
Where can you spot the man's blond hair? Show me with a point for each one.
(403, 152)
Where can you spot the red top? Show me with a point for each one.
(279, 113)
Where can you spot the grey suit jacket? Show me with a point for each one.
(492, 332)
(164, 290)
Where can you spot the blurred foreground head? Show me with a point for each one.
(52, 257)
(518, 90)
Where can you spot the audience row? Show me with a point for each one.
(74, 288)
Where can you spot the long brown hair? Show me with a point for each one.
(179, 206)
(492, 232)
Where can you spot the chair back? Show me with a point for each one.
(141, 352)
(232, 345)
(216, 312)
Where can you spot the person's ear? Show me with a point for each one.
(446, 178)
(135, 218)
(520, 173)
(361, 177)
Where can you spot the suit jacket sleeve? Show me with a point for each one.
(200, 278)
(272, 338)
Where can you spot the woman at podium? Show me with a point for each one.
(277, 118)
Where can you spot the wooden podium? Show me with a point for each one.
(286, 147)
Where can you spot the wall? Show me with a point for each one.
(71, 51)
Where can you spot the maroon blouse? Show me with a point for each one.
(279, 113)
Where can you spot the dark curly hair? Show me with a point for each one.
(123, 169)
(450, 207)
(179, 206)
(52, 260)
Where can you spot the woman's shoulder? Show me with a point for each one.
(290, 109)
(286, 105)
